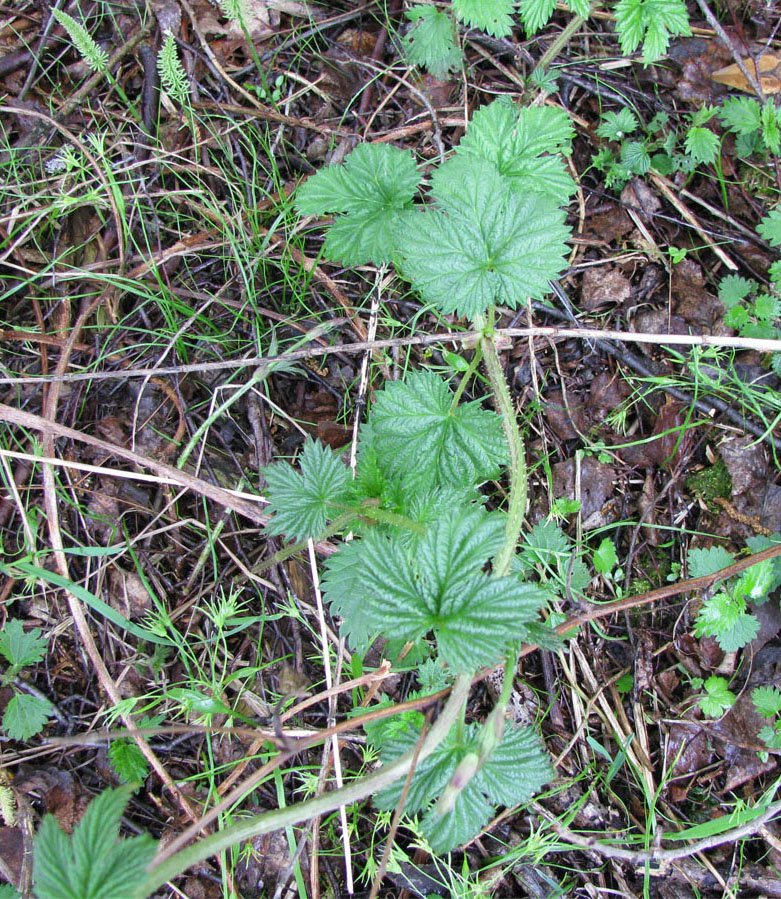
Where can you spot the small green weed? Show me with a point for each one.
(25, 715)
(767, 701)
(656, 146)
(432, 40)
(725, 615)
(718, 697)
(757, 126)
(752, 311)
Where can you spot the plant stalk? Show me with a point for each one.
(274, 820)
(519, 486)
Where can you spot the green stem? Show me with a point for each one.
(124, 97)
(386, 516)
(360, 789)
(558, 44)
(337, 525)
(519, 486)
(467, 377)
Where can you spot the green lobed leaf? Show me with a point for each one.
(757, 545)
(515, 141)
(651, 22)
(635, 157)
(20, 647)
(767, 701)
(457, 546)
(26, 715)
(741, 115)
(470, 813)
(703, 115)
(52, 861)
(605, 557)
(430, 42)
(770, 130)
(702, 144)
(719, 697)
(491, 16)
(372, 190)
(759, 330)
(363, 237)
(617, 125)
(302, 502)
(770, 228)
(747, 144)
(385, 587)
(702, 562)
(418, 434)
(771, 736)
(724, 617)
(733, 289)
(767, 307)
(511, 774)
(341, 585)
(547, 547)
(128, 761)
(535, 14)
(92, 863)
(754, 584)
(737, 317)
(484, 244)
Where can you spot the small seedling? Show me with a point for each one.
(605, 557)
(655, 147)
(724, 615)
(751, 311)
(718, 697)
(25, 715)
(757, 126)
(431, 41)
(767, 701)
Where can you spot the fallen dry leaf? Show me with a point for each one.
(604, 287)
(769, 74)
(600, 506)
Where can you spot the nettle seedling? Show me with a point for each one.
(767, 701)
(432, 39)
(757, 126)
(417, 569)
(718, 697)
(752, 310)
(725, 614)
(633, 149)
(26, 714)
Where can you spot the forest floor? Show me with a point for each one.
(151, 259)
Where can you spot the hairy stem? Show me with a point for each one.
(516, 505)
(366, 786)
